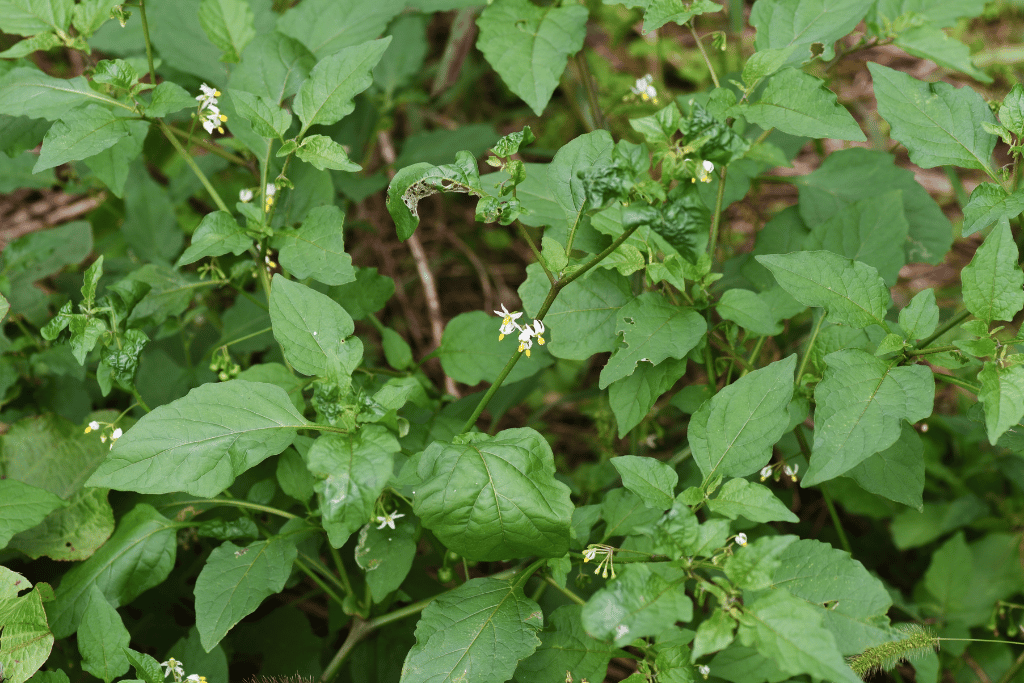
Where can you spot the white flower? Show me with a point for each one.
(791, 471)
(741, 538)
(209, 95)
(170, 665)
(525, 340)
(704, 670)
(195, 678)
(589, 554)
(538, 330)
(645, 89)
(269, 193)
(213, 120)
(92, 426)
(116, 435)
(705, 176)
(245, 196)
(508, 322)
(766, 472)
(388, 520)
(271, 189)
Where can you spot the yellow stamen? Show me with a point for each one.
(500, 337)
(527, 353)
(540, 340)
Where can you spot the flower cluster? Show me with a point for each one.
(789, 470)
(605, 567)
(95, 426)
(173, 667)
(208, 110)
(645, 90)
(526, 332)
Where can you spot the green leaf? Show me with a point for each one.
(741, 498)
(137, 557)
(733, 433)
(150, 226)
(102, 638)
(653, 330)
(938, 13)
(90, 15)
(386, 555)
(81, 133)
(27, 640)
(273, 65)
(645, 600)
(326, 96)
(749, 310)
(565, 646)
(169, 98)
(413, 183)
(116, 72)
(1011, 111)
(266, 117)
(217, 234)
(471, 352)
(146, 668)
(631, 398)
(397, 351)
(991, 205)
(29, 17)
(201, 442)
(781, 23)
(229, 25)
(897, 472)
(861, 403)
(495, 497)
(476, 632)
(852, 293)
(22, 507)
(652, 480)
(317, 249)
(852, 603)
(865, 231)
(714, 633)
(992, 280)
(657, 13)
(402, 64)
(789, 632)
(351, 473)
(625, 513)
(5, 307)
(313, 330)
(529, 46)
(581, 321)
(950, 576)
(799, 104)
(234, 581)
(567, 188)
(27, 91)
(1002, 395)
(920, 317)
(938, 124)
(931, 42)
(327, 26)
(324, 153)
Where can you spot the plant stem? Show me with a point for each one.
(536, 252)
(945, 327)
(588, 84)
(956, 381)
(565, 591)
(703, 53)
(235, 503)
(210, 147)
(930, 350)
(810, 345)
(342, 574)
(149, 45)
(717, 218)
(754, 353)
(169, 134)
(318, 581)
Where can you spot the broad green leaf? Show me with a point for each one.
(950, 577)
(273, 66)
(22, 507)
(326, 96)
(866, 231)
(324, 153)
(169, 98)
(26, 639)
(476, 632)
(368, 294)
(113, 164)
(581, 321)
(797, 103)
(748, 310)
(645, 600)
(566, 187)
(733, 433)
(150, 226)
(897, 472)
(764, 63)
(102, 638)
(234, 581)
(653, 330)
(313, 330)
(565, 646)
(29, 17)
(201, 442)
(852, 175)
(214, 664)
(146, 668)
(117, 73)
(913, 529)
(266, 117)
(741, 498)
(626, 513)
(1011, 111)
(789, 632)
(992, 280)
(79, 134)
(1002, 395)
(631, 398)
(413, 183)
(217, 234)
(27, 91)
(137, 557)
(657, 13)
(351, 472)
(90, 15)
(317, 249)
(328, 26)
(938, 124)
(991, 205)
(852, 293)
(782, 23)
(471, 352)
(17, 173)
(920, 317)
(495, 497)
(402, 64)
(652, 480)
(5, 306)
(229, 25)
(853, 602)
(386, 555)
(70, 533)
(931, 42)
(529, 46)
(714, 633)
(938, 13)
(23, 48)
(861, 403)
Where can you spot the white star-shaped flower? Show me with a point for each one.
(508, 321)
(388, 520)
(170, 665)
(741, 538)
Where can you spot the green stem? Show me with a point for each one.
(169, 134)
(703, 53)
(210, 147)
(801, 439)
(248, 336)
(342, 574)
(565, 591)
(945, 327)
(588, 84)
(709, 359)
(536, 252)
(318, 581)
(149, 45)
(135, 392)
(754, 353)
(810, 345)
(717, 218)
(956, 381)
(930, 350)
(235, 503)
